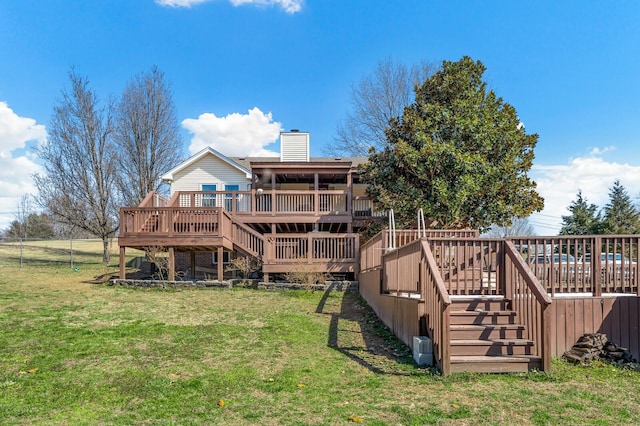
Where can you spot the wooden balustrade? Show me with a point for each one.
(402, 269)
(268, 201)
(438, 268)
(583, 264)
(530, 300)
(412, 271)
(372, 251)
(469, 266)
(364, 207)
(437, 308)
(169, 221)
(322, 247)
(153, 199)
(248, 239)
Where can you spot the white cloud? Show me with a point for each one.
(235, 135)
(180, 3)
(16, 169)
(600, 151)
(559, 185)
(289, 6)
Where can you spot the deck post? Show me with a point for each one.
(220, 264)
(193, 265)
(172, 264)
(546, 337)
(349, 201)
(273, 194)
(596, 267)
(122, 263)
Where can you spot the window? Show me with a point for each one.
(226, 257)
(209, 200)
(228, 198)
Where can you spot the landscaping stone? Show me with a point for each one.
(596, 346)
(214, 284)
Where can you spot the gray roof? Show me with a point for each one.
(246, 161)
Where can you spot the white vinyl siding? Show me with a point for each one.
(209, 170)
(294, 146)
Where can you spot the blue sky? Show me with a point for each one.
(241, 70)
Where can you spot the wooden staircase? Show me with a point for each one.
(486, 337)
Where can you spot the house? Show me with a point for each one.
(290, 212)
(464, 302)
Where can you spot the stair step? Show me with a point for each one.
(482, 317)
(490, 347)
(484, 303)
(495, 364)
(489, 331)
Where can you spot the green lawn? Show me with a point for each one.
(79, 353)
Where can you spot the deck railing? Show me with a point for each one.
(530, 300)
(170, 221)
(412, 271)
(268, 201)
(469, 266)
(365, 207)
(371, 251)
(272, 202)
(249, 240)
(437, 268)
(401, 271)
(583, 264)
(311, 247)
(153, 199)
(437, 308)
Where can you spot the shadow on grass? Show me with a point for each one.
(356, 332)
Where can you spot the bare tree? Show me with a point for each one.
(379, 97)
(520, 227)
(25, 208)
(147, 136)
(78, 186)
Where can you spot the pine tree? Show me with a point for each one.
(583, 220)
(620, 215)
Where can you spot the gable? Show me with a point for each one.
(208, 169)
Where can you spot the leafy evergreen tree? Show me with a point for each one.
(459, 152)
(35, 226)
(583, 220)
(620, 215)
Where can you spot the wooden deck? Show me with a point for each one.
(447, 283)
(236, 220)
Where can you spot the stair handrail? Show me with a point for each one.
(538, 327)
(437, 308)
(392, 232)
(422, 229)
(258, 253)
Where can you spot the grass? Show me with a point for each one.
(79, 353)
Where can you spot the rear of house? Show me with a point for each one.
(287, 213)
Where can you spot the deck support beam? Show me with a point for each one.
(220, 264)
(192, 264)
(172, 264)
(123, 262)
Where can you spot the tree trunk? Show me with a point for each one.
(106, 255)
